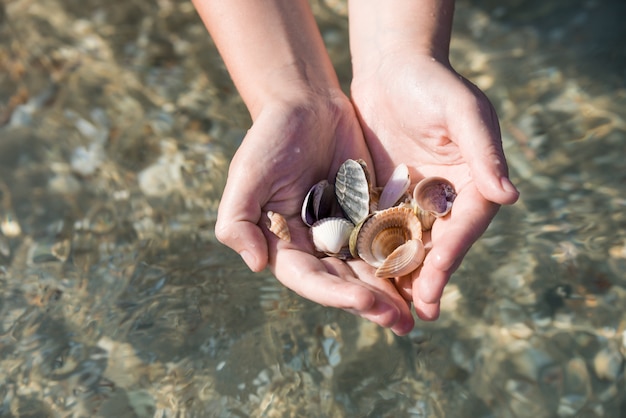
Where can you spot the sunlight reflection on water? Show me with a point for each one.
(118, 122)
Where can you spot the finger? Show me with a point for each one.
(326, 281)
(477, 132)
(388, 300)
(452, 237)
(331, 282)
(238, 217)
(404, 286)
(247, 239)
(427, 311)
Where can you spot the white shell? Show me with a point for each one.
(396, 187)
(330, 235)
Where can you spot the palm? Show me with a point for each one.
(435, 128)
(284, 153)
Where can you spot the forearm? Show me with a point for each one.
(271, 48)
(380, 27)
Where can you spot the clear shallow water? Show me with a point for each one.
(118, 123)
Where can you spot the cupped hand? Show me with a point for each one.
(416, 110)
(290, 147)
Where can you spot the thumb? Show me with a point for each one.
(237, 221)
(478, 137)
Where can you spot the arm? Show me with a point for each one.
(380, 27)
(271, 48)
(303, 128)
(414, 108)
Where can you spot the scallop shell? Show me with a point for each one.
(352, 188)
(331, 235)
(433, 198)
(396, 187)
(278, 225)
(319, 203)
(384, 242)
(403, 260)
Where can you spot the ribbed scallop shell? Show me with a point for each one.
(383, 242)
(331, 235)
(403, 260)
(352, 188)
(433, 198)
(278, 225)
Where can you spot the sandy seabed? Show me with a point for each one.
(117, 124)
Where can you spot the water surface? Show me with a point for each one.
(118, 122)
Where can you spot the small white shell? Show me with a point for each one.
(396, 187)
(330, 235)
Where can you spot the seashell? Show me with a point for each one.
(384, 242)
(396, 187)
(319, 203)
(354, 238)
(403, 260)
(331, 235)
(433, 198)
(278, 225)
(352, 188)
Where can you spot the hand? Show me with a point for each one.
(419, 111)
(290, 147)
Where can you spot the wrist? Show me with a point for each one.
(271, 48)
(304, 106)
(294, 85)
(380, 31)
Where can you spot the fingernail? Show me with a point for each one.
(248, 258)
(507, 186)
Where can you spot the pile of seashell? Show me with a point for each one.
(381, 226)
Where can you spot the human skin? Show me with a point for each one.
(414, 108)
(303, 128)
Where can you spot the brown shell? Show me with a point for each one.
(403, 260)
(381, 241)
(278, 225)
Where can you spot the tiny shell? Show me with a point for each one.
(330, 235)
(278, 225)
